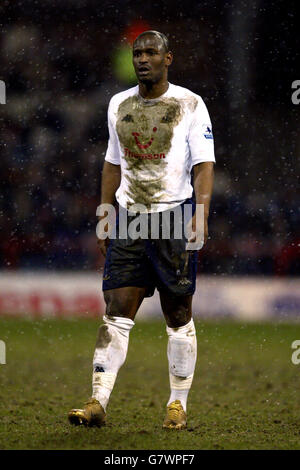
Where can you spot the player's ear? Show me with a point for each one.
(168, 58)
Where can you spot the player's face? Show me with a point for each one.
(150, 59)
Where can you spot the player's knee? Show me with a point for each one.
(180, 316)
(114, 307)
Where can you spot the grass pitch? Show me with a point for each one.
(245, 395)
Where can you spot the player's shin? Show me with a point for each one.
(110, 355)
(182, 355)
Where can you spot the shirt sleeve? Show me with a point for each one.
(112, 153)
(200, 137)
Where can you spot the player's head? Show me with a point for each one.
(151, 56)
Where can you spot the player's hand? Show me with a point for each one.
(205, 230)
(201, 236)
(103, 237)
(103, 245)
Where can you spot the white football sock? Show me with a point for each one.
(110, 354)
(182, 355)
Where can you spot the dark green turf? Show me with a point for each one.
(245, 395)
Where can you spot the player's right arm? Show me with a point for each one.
(111, 173)
(111, 178)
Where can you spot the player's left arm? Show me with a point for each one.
(201, 144)
(203, 187)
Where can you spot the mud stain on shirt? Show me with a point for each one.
(145, 130)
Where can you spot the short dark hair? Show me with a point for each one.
(163, 38)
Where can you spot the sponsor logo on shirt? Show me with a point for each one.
(147, 156)
(138, 143)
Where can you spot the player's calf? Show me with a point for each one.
(182, 355)
(110, 354)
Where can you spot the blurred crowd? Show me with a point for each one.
(59, 79)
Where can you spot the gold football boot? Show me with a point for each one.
(175, 417)
(92, 414)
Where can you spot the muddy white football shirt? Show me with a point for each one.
(157, 142)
